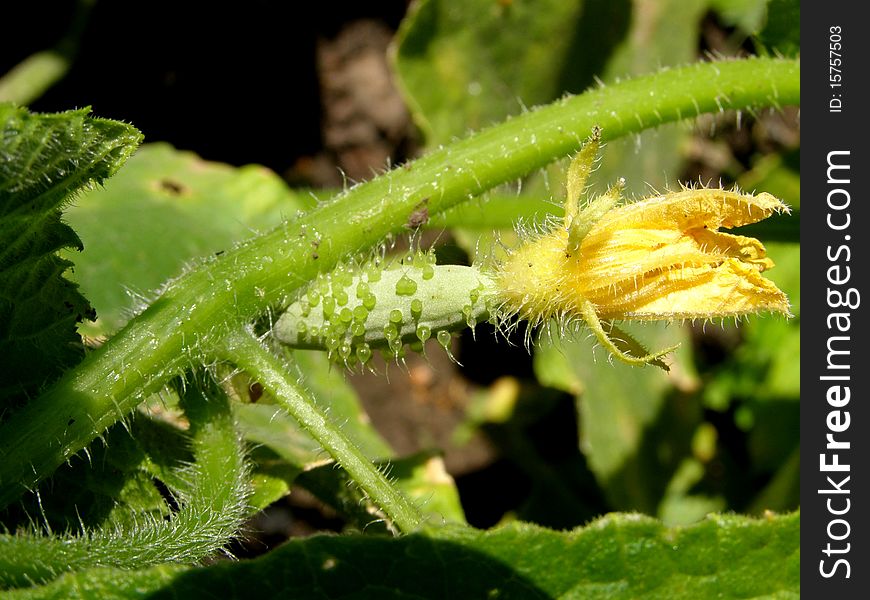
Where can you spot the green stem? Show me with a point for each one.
(36, 74)
(212, 510)
(247, 353)
(197, 310)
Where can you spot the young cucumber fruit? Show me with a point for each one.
(351, 311)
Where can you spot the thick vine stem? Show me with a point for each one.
(210, 513)
(196, 310)
(246, 352)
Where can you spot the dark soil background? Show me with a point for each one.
(235, 83)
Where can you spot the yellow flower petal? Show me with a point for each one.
(701, 208)
(729, 289)
(660, 258)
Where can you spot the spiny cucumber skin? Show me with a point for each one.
(351, 311)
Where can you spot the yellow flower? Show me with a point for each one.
(659, 258)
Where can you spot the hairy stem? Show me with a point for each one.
(247, 353)
(197, 310)
(211, 511)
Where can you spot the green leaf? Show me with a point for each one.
(618, 556)
(268, 426)
(626, 412)
(458, 66)
(112, 486)
(107, 584)
(679, 505)
(44, 160)
(777, 174)
(783, 491)
(467, 65)
(766, 365)
(165, 209)
(421, 477)
(782, 32)
(212, 505)
(748, 15)
(425, 480)
(663, 33)
(283, 450)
